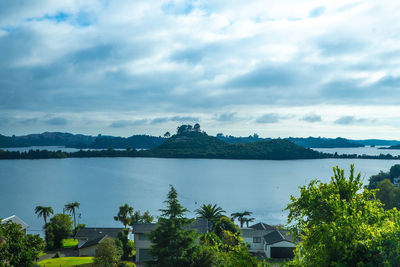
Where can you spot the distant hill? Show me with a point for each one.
(80, 141)
(135, 141)
(313, 142)
(46, 139)
(377, 142)
(392, 147)
(200, 145)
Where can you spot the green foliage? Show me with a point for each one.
(72, 207)
(59, 227)
(44, 212)
(124, 214)
(126, 264)
(57, 255)
(341, 225)
(137, 217)
(16, 249)
(225, 224)
(374, 180)
(172, 243)
(241, 216)
(107, 252)
(125, 246)
(69, 243)
(210, 212)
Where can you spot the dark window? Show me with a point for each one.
(257, 239)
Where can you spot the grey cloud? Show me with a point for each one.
(184, 119)
(128, 123)
(268, 118)
(311, 118)
(348, 120)
(226, 117)
(57, 121)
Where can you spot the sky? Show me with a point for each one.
(277, 68)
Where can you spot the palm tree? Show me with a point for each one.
(71, 208)
(44, 212)
(241, 216)
(247, 220)
(124, 215)
(210, 212)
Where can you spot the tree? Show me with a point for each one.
(71, 208)
(59, 227)
(167, 135)
(125, 245)
(16, 249)
(241, 216)
(247, 220)
(139, 218)
(44, 212)
(210, 212)
(196, 127)
(107, 252)
(341, 225)
(172, 243)
(225, 224)
(124, 214)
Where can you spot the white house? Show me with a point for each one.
(268, 241)
(17, 220)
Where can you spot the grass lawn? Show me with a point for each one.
(69, 243)
(66, 261)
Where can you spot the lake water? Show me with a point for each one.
(101, 185)
(375, 151)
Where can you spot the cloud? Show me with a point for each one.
(226, 117)
(57, 121)
(268, 118)
(311, 118)
(127, 123)
(348, 120)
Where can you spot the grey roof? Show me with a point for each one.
(200, 225)
(262, 226)
(90, 233)
(17, 220)
(250, 232)
(277, 235)
(93, 242)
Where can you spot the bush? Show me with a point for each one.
(126, 264)
(58, 254)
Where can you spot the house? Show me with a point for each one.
(268, 241)
(17, 220)
(90, 237)
(141, 233)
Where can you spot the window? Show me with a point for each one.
(257, 239)
(143, 237)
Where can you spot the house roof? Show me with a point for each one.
(93, 242)
(17, 220)
(200, 225)
(262, 226)
(250, 232)
(90, 233)
(277, 235)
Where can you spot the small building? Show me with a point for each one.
(268, 241)
(141, 233)
(90, 237)
(17, 220)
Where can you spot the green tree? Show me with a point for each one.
(124, 244)
(210, 212)
(225, 224)
(172, 243)
(59, 227)
(16, 249)
(71, 207)
(248, 220)
(241, 216)
(137, 217)
(107, 253)
(44, 212)
(341, 225)
(124, 214)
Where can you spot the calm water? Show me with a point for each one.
(359, 150)
(101, 185)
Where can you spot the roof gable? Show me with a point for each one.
(277, 236)
(90, 233)
(17, 220)
(262, 226)
(200, 225)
